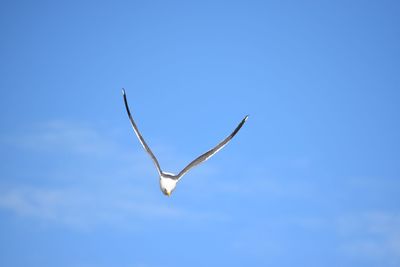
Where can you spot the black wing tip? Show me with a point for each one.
(244, 119)
(123, 92)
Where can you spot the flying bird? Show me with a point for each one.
(168, 181)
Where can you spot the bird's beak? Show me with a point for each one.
(168, 193)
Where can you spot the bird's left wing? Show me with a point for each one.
(141, 139)
(211, 152)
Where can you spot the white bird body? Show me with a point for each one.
(168, 181)
(167, 184)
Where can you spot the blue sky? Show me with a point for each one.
(312, 179)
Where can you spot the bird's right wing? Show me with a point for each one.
(211, 152)
(135, 128)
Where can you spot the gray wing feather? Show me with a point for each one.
(135, 128)
(211, 152)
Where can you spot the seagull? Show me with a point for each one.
(168, 181)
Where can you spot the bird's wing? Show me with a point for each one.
(211, 152)
(135, 128)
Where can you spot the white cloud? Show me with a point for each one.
(371, 235)
(84, 208)
(116, 194)
(64, 137)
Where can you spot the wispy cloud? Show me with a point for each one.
(358, 239)
(64, 136)
(109, 195)
(78, 208)
(371, 235)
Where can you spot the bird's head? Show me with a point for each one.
(167, 192)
